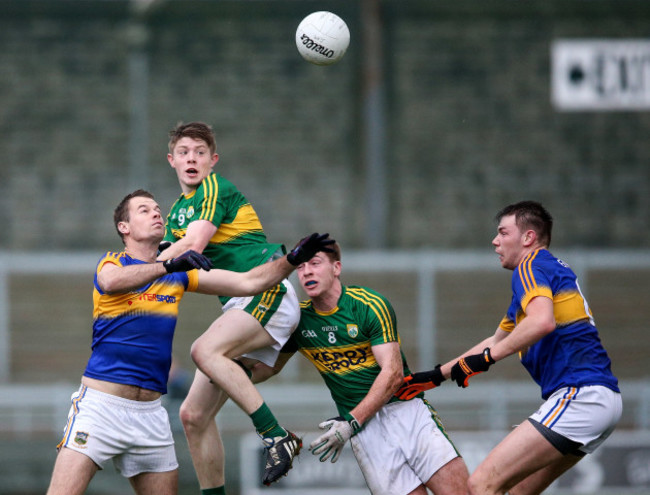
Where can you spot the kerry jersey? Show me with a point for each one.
(239, 243)
(572, 354)
(339, 342)
(133, 332)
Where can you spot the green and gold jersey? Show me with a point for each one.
(339, 343)
(239, 243)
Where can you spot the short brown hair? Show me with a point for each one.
(194, 130)
(530, 215)
(121, 213)
(336, 254)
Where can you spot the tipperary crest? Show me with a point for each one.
(81, 438)
(353, 330)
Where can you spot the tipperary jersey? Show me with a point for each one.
(572, 354)
(133, 332)
(239, 243)
(339, 342)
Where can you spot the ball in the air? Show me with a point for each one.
(322, 38)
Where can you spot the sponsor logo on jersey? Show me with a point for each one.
(81, 438)
(148, 296)
(341, 360)
(353, 330)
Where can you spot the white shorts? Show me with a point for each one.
(135, 434)
(401, 447)
(278, 313)
(586, 415)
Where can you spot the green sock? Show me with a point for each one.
(220, 490)
(266, 424)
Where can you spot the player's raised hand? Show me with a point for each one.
(189, 260)
(471, 365)
(308, 246)
(330, 443)
(416, 383)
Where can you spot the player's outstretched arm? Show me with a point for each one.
(116, 279)
(265, 276)
(538, 322)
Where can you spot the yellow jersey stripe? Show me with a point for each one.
(244, 223)
(378, 306)
(209, 204)
(526, 272)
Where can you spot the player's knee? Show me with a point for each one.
(192, 418)
(204, 352)
(476, 485)
(199, 353)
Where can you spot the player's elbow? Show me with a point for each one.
(547, 325)
(107, 284)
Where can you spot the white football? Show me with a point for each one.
(322, 38)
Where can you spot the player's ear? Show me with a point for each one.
(337, 268)
(530, 237)
(122, 228)
(215, 159)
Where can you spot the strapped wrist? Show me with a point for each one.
(356, 426)
(488, 356)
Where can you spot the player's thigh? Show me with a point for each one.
(451, 479)
(203, 401)
(521, 453)
(234, 333)
(537, 482)
(72, 473)
(165, 483)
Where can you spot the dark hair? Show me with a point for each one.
(194, 130)
(121, 213)
(530, 215)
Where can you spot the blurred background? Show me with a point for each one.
(439, 114)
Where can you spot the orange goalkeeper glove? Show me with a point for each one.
(470, 366)
(416, 383)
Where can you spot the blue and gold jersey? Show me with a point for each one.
(339, 342)
(572, 354)
(133, 332)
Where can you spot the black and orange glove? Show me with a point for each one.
(416, 383)
(470, 366)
